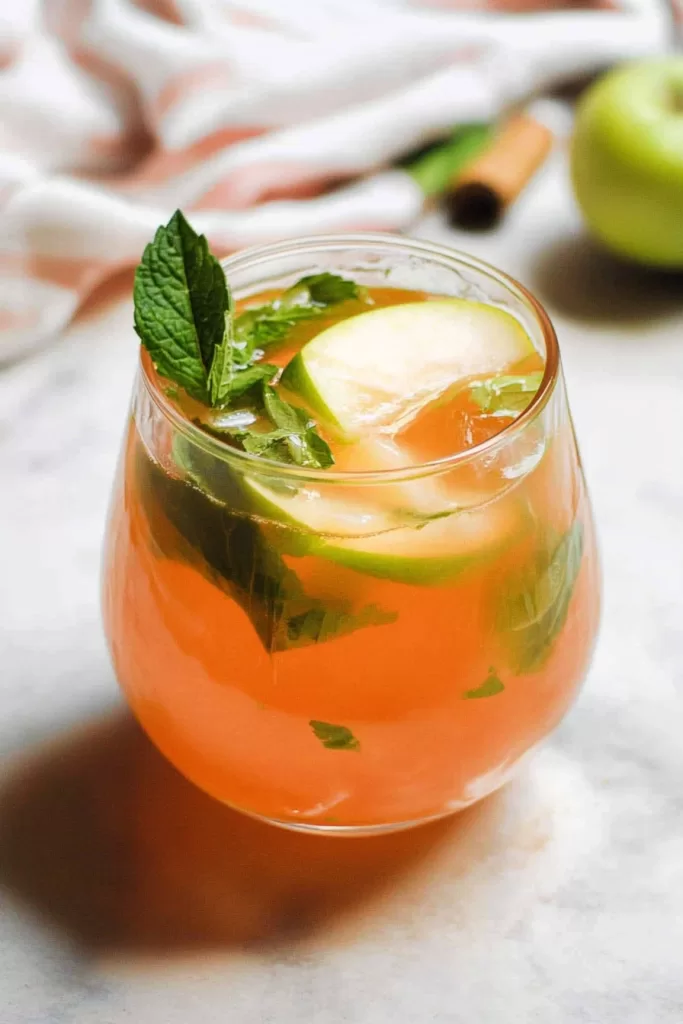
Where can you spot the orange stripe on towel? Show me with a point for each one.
(259, 183)
(180, 86)
(63, 271)
(162, 165)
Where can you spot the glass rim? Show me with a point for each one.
(448, 258)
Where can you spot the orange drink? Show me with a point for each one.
(360, 614)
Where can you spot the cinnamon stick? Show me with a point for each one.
(480, 192)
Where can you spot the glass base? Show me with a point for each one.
(484, 787)
(356, 831)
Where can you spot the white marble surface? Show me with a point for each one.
(128, 896)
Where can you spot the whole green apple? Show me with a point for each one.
(627, 161)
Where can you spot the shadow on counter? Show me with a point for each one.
(577, 278)
(111, 845)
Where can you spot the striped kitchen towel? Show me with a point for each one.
(262, 119)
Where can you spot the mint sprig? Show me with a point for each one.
(181, 301)
(185, 318)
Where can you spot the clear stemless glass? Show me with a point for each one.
(446, 668)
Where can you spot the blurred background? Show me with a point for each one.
(265, 119)
(546, 138)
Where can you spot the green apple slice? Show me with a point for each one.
(374, 540)
(351, 512)
(378, 369)
(362, 530)
(318, 515)
(412, 532)
(372, 373)
(434, 553)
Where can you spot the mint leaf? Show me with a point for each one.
(489, 688)
(334, 737)
(533, 606)
(244, 380)
(272, 444)
(303, 444)
(321, 290)
(291, 447)
(322, 622)
(308, 298)
(181, 298)
(227, 546)
(210, 297)
(236, 382)
(317, 450)
(222, 368)
(258, 328)
(288, 417)
(505, 395)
